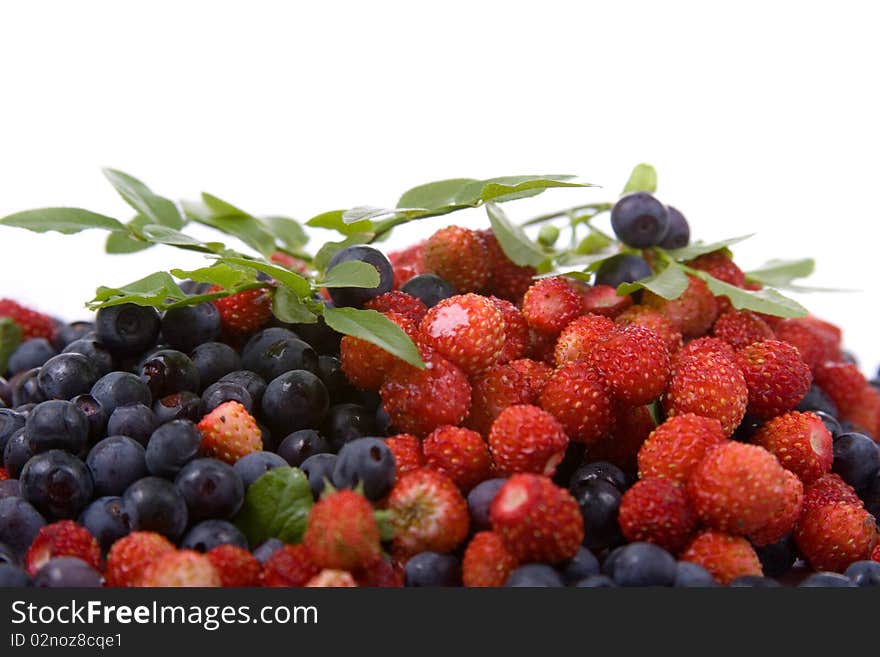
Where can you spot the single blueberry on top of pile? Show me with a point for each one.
(639, 220)
(358, 296)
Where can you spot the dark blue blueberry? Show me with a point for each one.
(864, 573)
(678, 232)
(26, 389)
(777, 558)
(72, 332)
(365, 462)
(193, 288)
(266, 549)
(323, 339)
(302, 444)
(430, 288)
(254, 465)
(120, 389)
(30, 354)
(214, 360)
(58, 484)
(106, 520)
(133, 420)
(319, 469)
(691, 575)
(534, 575)
(172, 446)
(295, 400)
(211, 488)
(601, 470)
(347, 422)
(479, 501)
(639, 220)
(67, 375)
(208, 534)
(5, 392)
(754, 582)
(596, 582)
(57, 424)
(19, 524)
(871, 497)
(67, 572)
(16, 453)
(856, 459)
(95, 415)
(98, 356)
(13, 577)
(25, 409)
(747, 429)
(10, 488)
(383, 422)
(827, 580)
(224, 391)
(116, 463)
(610, 559)
(10, 422)
(250, 381)
(599, 502)
(582, 565)
(432, 569)
(624, 268)
(178, 406)
(644, 564)
(331, 375)
(358, 296)
(156, 505)
(168, 371)
(571, 461)
(127, 329)
(261, 340)
(189, 326)
(817, 400)
(282, 356)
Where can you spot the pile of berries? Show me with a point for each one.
(559, 434)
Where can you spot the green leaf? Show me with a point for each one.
(442, 194)
(514, 241)
(385, 524)
(767, 301)
(284, 276)
(593, 243)
(780, 273)
(642, 179)
(287, 231)
(221, 274)
(221, 208)
(369, 213)
(334, 220)
(157, 209)
(288, 307)
(129, 242)
(375, 328)
(164, 235)
(696, 250)
(227, 218)
(510, 187)
(322, 257)
(276, 505)
(155, 290)
(63, 220)
(669, 283)
(352, 273)
(10, 338)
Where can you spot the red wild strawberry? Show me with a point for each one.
(379, 574)
(401, 303)
(632, 426)
(460, 454)
(64, 538)
(428, 512)
(466, 329)
(290, 565)
(814, 344)
(32, 323)
(580, 336)
(506, 279)
(657, 511)
(487, 562)
(634, 363)
(712, 346)
(3, 474)
(604, 300)
(236, 566)
(525, 438)
(577, 398)
(342, 532)
(678, 445)
(775, 375)
(537, 520)
(740, 328)
(846, 386)
(718, 264)
(330, 578)
(516, 331)
(833, 536)
(130, 555)
(693, 313)
(407, 452)
(181, 568)
(230, 432)
(500, 387)
(541, 346)
(654, 320)
(536, 372)
(458, 255)
(244, 312)
(726, 557)
(829, 489)
(551, 304)
(367, 365)
(866, 417)
(800, 441)
(407, 263)
(785, 517)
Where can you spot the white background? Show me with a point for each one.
(759, 117)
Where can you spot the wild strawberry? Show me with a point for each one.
(460, 454)
(726, 557)
(506, 279)
(634, 364)
(776, 377)
(428, 513)
(379, 574)
(846, 386)
(419, 401)
(367, 365)
(576, 396)
(814, 344)
(331, 578)
(487, 562)
(230, 432)
(536, 372)
(580, 336)
(236, 566)
(693, 313)
(678, 445)
(719, 264)
(244, 312)
(740, 328)
(64, 538)
(632, 426)
(800, 441)
(407, 263)
(290, 565)
(500, 387)
(516, 331)
(866, 416)
(657, 511)
(32, 323)
(551, 304)
(541, 346)
(4, 475)
(342, 532)
(407, 452)
(705, 345)
(737, 488)
(710, 385)
(458, 255)
(181, 568)
(401, 303)
(604, 300)
(130, 555)
(466, 329)
(833, 536)
(537, 520)
(525, 438)
(829, 489)
(875, 554)
(654, 320)
(786, 516)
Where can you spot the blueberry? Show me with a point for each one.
(331, 375)
(24, 409)
(856, 459)
(115, 463)
(10, 422)
(133, 420)
(67, 572)
(610, 559)
(383, 422)
(639, 220)
(106, 520)
(10, 488)
(432, 569)
(864, 573)
(224, 391)
(30, 354)
(127, 329)
(358, 296)
(596, 582)
(120, 389)
(826, 580)
(192, 288)
(214, 360)
(678, 232)
(57, 424)
(16, 453)
(208, 534)
(19, 524)
(187, 327)
(168, 371)
(534, 575)
(26, 389)
(582, 565)
(754, 582)
(747, 429)
(156, 505)
(479, 500)
(266, 549)
(599, 502)
(211, 488)
(72, 332)
(624, 268)
(250, 381)
(95, 414)
(430, 288)
(323, 339)
(347, 422)
(172, 446)
(260, 341)
(256, 464)
(365, 462)
(5, 392)
(319, 468)
(178, 406)
(58, 484)
(67, 375)
(777, 558)
(691, 575)
(644, 564)
(571, 461)
(98, 356)
(302, 444)
(13, 577)
(295, 400)
(817, 400)
(282, 356)
(601, 470)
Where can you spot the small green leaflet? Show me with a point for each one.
(436, 195)
(696, 250)
(129, 242)
(154, 290)
(783, 273)
(288, 231)
(369, 213)
(642, 179)
(593, 243)
(10, 338)
(333, 220)
(288, 307)
(227, 218)
(375, 328)
(514, 241)
(164, 235)
(352, 273)
(224, 275)
(322, 257)
(277, 505)
(295, 282)
(157, 209)
(63, 220)
(767, 301)
(669, 283)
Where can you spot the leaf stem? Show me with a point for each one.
(598, 207)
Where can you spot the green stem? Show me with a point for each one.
(597, 207)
